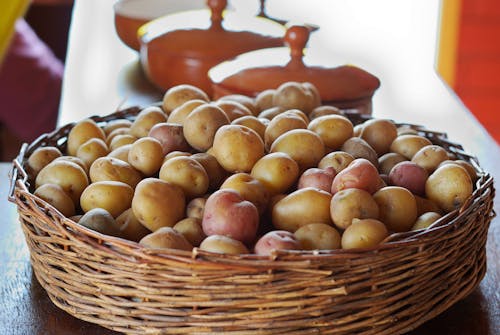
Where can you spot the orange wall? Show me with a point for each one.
(477, 76)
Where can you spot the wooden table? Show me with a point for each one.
(102, 74)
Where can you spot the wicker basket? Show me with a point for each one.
(120, 285)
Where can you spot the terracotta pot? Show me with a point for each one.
(181, 48)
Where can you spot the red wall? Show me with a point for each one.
(478, 62)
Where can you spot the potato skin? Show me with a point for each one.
(171, 137)
(145, 120)
(249, 188)
(318, 236)
(166, 237)
(224, 245)
(100, 220)
(55, 196)
(408, 145)
(109, 168)
(449, 187)
(379, 134)
(191, 229)
(41, 157)
(359, 148)
(318, 178)
(410, 176)
(350, 204)
(387, 161)
(361, 173)
(430, 157)
(338, 160)
(276, 240)
(157, 203)
(81, 132)
(397, 208)
(364, 233)
(301, 207)
(113, 196)
(280, 124)
(201, 125)
(130, 227)
(186, 173)
(146, 155)
(276, 171)
(180, 94)
(425, 220)
(334, 130)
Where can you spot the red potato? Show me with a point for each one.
(318, 178)
(227, 213)
(250, 188)
(171, 137)
(359, 174)
(410, 176)
(276, 240)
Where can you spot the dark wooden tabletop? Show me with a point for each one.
(410, 91)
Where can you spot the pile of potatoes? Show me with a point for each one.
(241, 175)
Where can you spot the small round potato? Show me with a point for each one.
(121, 153)
(177, 95)
(113, 196)
(276, 171)
(70, 176)
(117, 132)
(179, 114)
(246, 101)
(264, 99)
(430, 156)
(303, 145)
(89, 151)
(81, 132)
(359, 148)
(201, 125)
(121, 140)
(237, 148)
(466, 165)
(252, 122)
(145, 120)
(318, 236)
(98, 219)
(191, 229)
(291, 95)
(55, 196)
(74, 159)
(115, 124)
(425, 220)
(301, 207)
(425, 205)
(171, 137)
(334, 130)
(271, 113)
(276, 240)
(146, 155)
(196, 207)
(365, 233)
(397, 208)
(280, 125)
(338, 160)
(387, 161)
(186, 173)
(350, 204)
(409, 175)
(324, 110)
(223, 245)
(216, 173)
(379, 134)
(130, 227)
(408, 145)
(166, 237)
(41, 157)
(109, 168)
(449, 187)
(157, 203)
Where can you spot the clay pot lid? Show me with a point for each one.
(256, 71)
(210, 33)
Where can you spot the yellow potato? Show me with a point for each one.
(145, 120)
(264, 99)
(252, 122)
(276, 171)
(81, 132)
(318, 236)
(237, 148)
(130, 228)
(179, 114)
(100, 220)
(334, 130)
(466, 165)
(223, 245)
(359, 148)
(397, 208)
(408, 145)
(158, 203)
(352, 203)
(166, 237)
(280, 124)
(365, 233)
(121, 153)
(430, 157)
(425, 220)
(304, 206)
(196, 207)
(324, 110)
(338, 160)
(387, 161)
(379, 134)
(146, 155)
(109, 168)
(121, 140)
(246, 101)
(425, 205)
(115, 124)
(177, 95)
(41, 157)
(271, 113)
(89, 151)
(291, 95)
(304, 146)
(201, 125)
(449, 187)
(176, 153)
(186, 173)
(191, 229)
(117, 132)
(113, 196)
(55, 196)
(70, 176)
(76, 160)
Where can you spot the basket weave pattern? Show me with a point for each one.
(120, 285)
